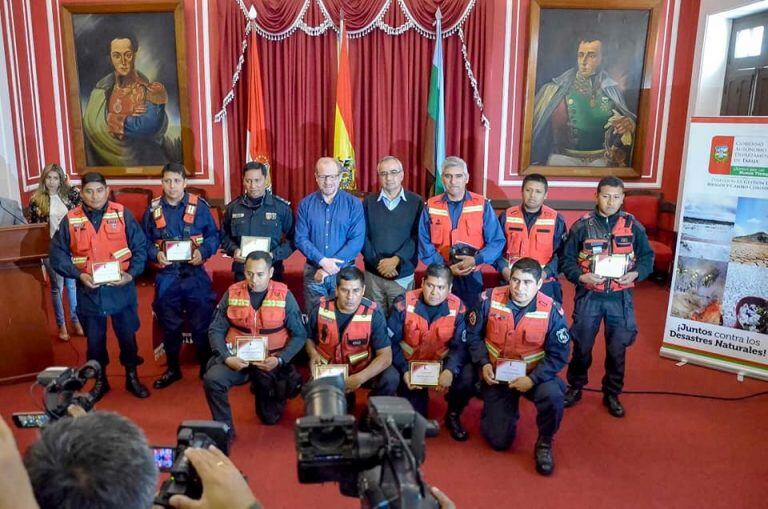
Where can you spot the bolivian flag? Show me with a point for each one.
(342, 129)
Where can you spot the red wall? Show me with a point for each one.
(32, 38)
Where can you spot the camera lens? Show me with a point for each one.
(325, 397)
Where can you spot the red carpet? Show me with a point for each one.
(667, 452)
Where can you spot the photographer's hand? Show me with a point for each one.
(442, 499)
(223, 484)
(76, 410)
(14, 479)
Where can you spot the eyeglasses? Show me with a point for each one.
(393, 173)
(327, 177)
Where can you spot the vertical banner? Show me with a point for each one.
(718, 307)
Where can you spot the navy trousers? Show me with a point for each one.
(125, 323)
(501, 411)
(620, 332)
(271, 389)
(468, 288)
(179, 297)
(383, 384)
(458, 396)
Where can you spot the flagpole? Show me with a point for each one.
(437, 102)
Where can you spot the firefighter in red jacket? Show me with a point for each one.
(351, 330)
(519, 337)
(607, 234)
(255, 307)
(459, 229)
(429, 325)
(97, 232)
(536, 231)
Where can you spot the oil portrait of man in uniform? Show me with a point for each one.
(127, 101)
(584, 88)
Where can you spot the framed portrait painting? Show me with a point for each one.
(127, 94)
(588, 86)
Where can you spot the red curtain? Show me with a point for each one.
(390, 81)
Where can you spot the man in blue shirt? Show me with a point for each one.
(97, 232)
(182, 287)
(519, 327)
(330, 231)
(459, 228)
(391, 236)
(258, 213)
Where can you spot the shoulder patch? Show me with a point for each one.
(472, 318)
(562, 336)
(400, 304)
(281, 199)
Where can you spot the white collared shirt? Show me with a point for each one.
(392, 203)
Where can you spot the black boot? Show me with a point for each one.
(134, 385)
(100, 388)
(615, 408)
(171, 375)
(545, 461)
(453, 423)
(572, 396)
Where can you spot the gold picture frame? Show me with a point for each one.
(127, 95)
(627, 31)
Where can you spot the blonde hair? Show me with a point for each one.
(41, 198)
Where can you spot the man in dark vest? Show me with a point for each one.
(597, 243)
(391, 244)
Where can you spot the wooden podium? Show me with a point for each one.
(25, 341)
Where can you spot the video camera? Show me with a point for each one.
(380, 466)
(62, 386)
(184, 479)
